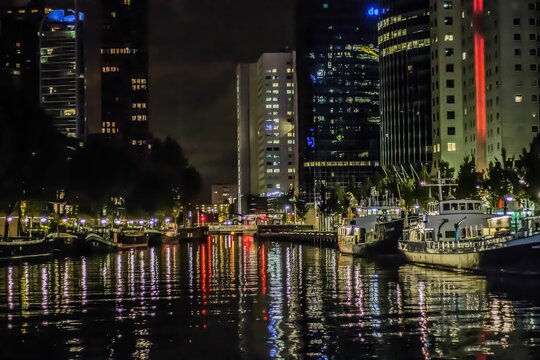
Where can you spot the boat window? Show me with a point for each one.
(450, 234)
(470, 206)
(446, 207)
(462, 206)
(454, 206)
(476, 206)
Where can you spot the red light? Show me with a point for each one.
(480, 76)
(203, 312)
(265, 318)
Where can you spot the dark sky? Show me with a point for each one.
(194, 48)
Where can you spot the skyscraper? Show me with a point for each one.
(41, 50)
(404, 44)
(475, 66)
(338, 91)
(500, 63)
(61, 71)
(267, 148)
(19, 43)
(124, 71)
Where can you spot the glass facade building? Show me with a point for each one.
(338, 85)
(404, 44)
(124, 71)
(61, 70)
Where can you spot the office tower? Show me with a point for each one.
(338, 92)
(41, 50)
(224, 193)
(482, 85)
(61, 71)
(19, 42)
(267, 149)
(404, 45)
(124, 71)
(500, 59)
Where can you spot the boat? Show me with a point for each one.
(23, 247)
(129, 238)
(154, 237)
(375, 232)
(99, 241)
(169, 236)
(71, 243)
(464, 237)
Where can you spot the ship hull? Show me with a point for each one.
(519, 256)
(22, 249)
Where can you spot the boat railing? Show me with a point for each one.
(468, 245)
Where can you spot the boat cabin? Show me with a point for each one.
(457, 207)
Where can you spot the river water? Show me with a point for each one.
(236, 298)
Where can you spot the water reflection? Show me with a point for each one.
(233, 297)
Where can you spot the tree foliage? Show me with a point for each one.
(468, 179)
(530, 164)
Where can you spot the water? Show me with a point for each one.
(233, 298)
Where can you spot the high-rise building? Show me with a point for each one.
(224, 193)
(404, 45)
(482, 88)
(19, 43)
(41, 50)
(124, 71)
(267, 148)
(61, 71)
(338, 92)
(500, 59)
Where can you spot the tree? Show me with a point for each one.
(301, 207)
(530, 163)
(468, 179)
(501, 180)
(34, 155)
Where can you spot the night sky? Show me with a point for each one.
(194, 48)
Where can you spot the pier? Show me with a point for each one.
(302, 234)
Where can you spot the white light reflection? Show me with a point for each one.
(84, 281)
(45, 289)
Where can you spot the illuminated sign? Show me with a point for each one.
(373, 11)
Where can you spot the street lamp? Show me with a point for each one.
(507, 199)
(287, 207)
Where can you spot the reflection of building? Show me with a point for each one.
(267, 156)
(124, 71)
(338, 92)
(224, 194)
(62, 71)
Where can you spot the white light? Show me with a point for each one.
(83, 221)
(10, 219)
(43, 220)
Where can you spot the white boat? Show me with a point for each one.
(463, 236)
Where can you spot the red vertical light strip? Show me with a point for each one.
(480, 80)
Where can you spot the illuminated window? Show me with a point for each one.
(518, 98)
(451, 146)
(448, 37)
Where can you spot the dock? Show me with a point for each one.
(302, 234)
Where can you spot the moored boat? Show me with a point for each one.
(130, 238)
(68, 243)
(465, 238)
(25, 247)
(376, 232)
